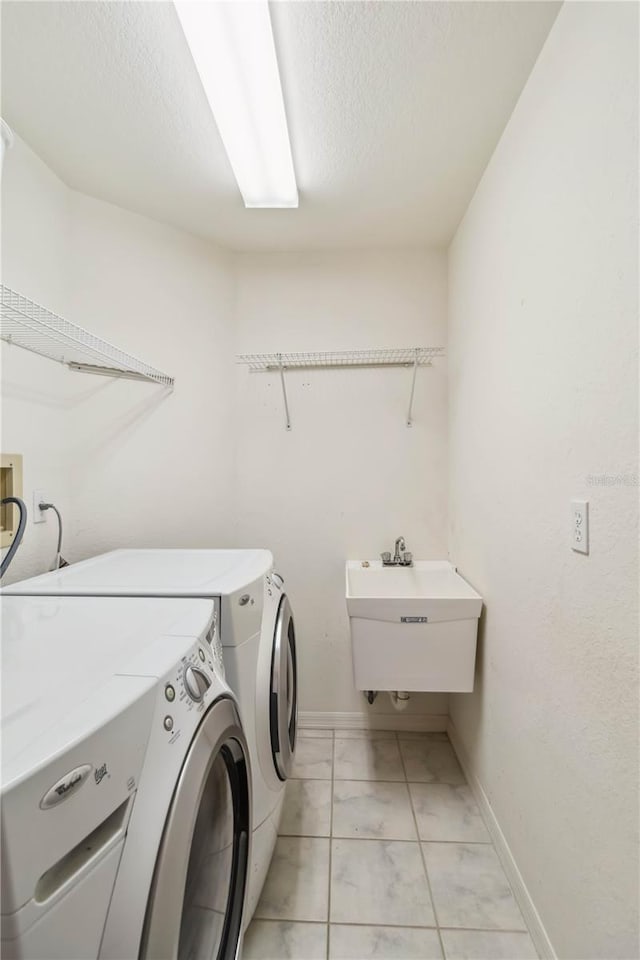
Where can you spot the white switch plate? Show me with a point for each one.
(38, 515)
(580, 526)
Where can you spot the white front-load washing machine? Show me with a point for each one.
(259, 648)
(126, 789)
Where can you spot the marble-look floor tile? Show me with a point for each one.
(372, 809)
(470, 888)
(382, 943)
(361, 759)
(313, 759)
(379, 882)
(445, 812)
(487, 945)
(284, 940)
(430, 761)
(307, 809)
(297, 885)
(366, 734)
(314, 733)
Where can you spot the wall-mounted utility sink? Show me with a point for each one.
(412, 628)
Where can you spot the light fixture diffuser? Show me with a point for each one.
(232, 45)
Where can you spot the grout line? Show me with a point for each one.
(305, 836)
(315, 923)
(413, 926)
(463, 843)
(315, 779)
(326, 836)
(424, 859)
(333, 767)
(488, 930)
(419, 783)
(368, 780)
(396, 926)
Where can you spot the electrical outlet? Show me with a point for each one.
(580, 526)
(38, 515)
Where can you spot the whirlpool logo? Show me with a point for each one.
(66, 786)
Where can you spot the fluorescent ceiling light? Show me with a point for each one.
(231, 42)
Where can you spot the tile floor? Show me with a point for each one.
(384, 854)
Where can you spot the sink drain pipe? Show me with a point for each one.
(399, 699)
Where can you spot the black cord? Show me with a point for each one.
(19, 532)
(51, 506)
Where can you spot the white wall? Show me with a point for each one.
(210, 463)
(350, 476)
(153, 467)
(37, 395)
(127, 462)
(543, 396)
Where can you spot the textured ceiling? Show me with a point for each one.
(394, 110)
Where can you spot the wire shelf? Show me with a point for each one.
(396, 357)
(413, 357)
(31, 326)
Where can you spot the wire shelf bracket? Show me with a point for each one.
(410, 357)
(31, 326)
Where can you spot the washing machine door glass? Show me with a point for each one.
(197, 896)
(284, 691)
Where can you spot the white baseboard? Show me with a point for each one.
(430, 723)
(532, 917)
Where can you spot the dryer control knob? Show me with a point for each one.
(196, 681)
(278, 580)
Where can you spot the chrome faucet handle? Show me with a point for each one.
(386, 556)
(407, 558)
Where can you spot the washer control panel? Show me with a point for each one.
(185, 688)
(196, 682)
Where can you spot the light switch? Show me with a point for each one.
(580, 526)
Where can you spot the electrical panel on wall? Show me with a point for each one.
(10, 486)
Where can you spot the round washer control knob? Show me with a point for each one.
(196, 682)
(170, 693)
(201, 654)
(167, 723)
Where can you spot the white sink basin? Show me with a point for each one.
(412, 628)
(430, 588)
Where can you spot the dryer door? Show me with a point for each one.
(195, 907)
(284, 690)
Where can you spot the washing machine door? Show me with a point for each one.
(196, 903)
(284, 690)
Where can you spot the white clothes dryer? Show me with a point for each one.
(125, 783)
(279, 697)
(258, 641)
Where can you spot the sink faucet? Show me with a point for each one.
(399, 545)
(401, 556)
